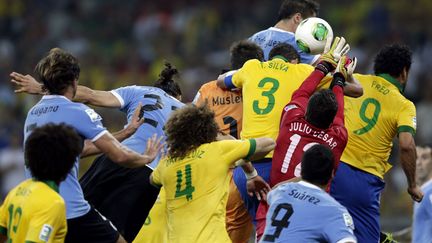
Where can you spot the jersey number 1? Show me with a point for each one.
(189, 189)
(295, 140)
(14, 217)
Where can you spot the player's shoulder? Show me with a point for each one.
(251, 63)
(208, 87)
(303, 67)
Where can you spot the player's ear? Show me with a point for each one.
(297, 18)
(404, 75)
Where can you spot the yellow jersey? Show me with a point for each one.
(196, 190)
(227, 106)
(373, 120)
(267, 87)
(34, 211)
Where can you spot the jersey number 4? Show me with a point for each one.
(278, 222)
(189, 189)
(295, 140)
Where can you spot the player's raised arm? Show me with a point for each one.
(28, 84)
(224, 81)
(344, 69)
(408, 158)
(328, 63)
(120, 154)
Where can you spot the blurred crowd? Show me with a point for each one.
(126, 42)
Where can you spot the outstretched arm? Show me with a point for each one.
(328, 63)
(27, 84)
(90, 149)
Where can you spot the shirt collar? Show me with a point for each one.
(280, 57)
(280, 30)
(48, 97)
(52, 185)
(391, 80)
(310, 185)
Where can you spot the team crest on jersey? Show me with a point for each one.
(45, 232)
(348, 220)
(290, 107)
(93, 115)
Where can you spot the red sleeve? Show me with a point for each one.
(339, 118)
(301, 96)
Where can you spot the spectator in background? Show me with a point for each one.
(11, 166)
(424, 114)
(422, 225)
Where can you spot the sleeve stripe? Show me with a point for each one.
(406, 129)
(252, 148)
(228, 82)
(119, 98)
(3, 230)
(99, 135)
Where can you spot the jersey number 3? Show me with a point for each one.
(268, 94)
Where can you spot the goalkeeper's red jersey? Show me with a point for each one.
(296, 135)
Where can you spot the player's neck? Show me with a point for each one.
(70, 93)
(286, 25)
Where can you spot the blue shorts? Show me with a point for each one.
(263, 168)
(359, 192)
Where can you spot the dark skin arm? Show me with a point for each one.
(408, 158)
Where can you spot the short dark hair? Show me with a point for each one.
(57, 71)
(307, 8)
(393, 59)
(285, 50)
(188, 128)
(322, 108)
(317, 165)
(166, 82)
(51, 151)
(243, 51)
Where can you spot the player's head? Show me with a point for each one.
(298, 10)
(166, 82)
(51, 151)
(317, 165)
(424, 164)
(242, 51)
(395, 60)
(287, 51)
(188, 128)
(322, 108)
(58, 71)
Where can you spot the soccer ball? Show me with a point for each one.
(311, 35)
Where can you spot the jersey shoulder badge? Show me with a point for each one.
(93, 115)
(45, 232)
(348, 220)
